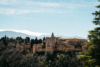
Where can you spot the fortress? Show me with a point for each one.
(60, 44)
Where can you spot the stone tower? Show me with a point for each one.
(50, 44)
(52, 35)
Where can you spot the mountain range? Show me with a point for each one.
(14, 34)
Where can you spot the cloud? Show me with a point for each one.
(9, 11)
(46, 4)
(8, 2)
(4, 2)
(25, 32)
(25, 2)
(12, 11)
(72, 4)
(25, 6)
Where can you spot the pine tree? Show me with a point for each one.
(32, 42)
(91, 58)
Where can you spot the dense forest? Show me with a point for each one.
(20, 40)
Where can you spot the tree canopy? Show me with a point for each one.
(91, 58)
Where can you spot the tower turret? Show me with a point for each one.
(52, 35)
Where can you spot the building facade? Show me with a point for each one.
(60, 44)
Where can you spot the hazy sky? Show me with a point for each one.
(63, 17)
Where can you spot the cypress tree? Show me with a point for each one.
(32, 42)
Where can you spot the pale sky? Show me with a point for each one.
(62, 17)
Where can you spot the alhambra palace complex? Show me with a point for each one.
(52, 44)
(60, 44)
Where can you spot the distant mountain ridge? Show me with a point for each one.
(16, 34)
